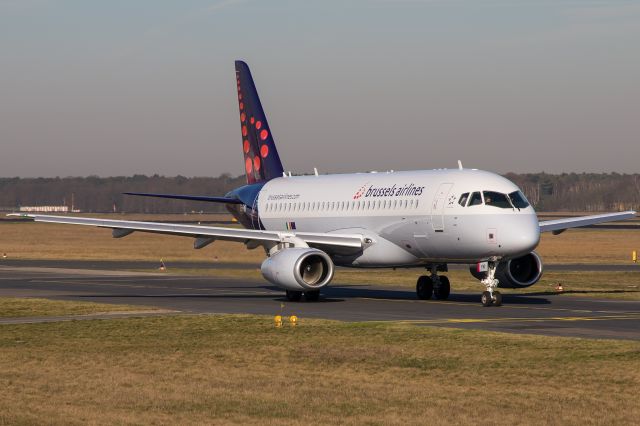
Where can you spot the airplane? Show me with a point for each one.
(310, 224)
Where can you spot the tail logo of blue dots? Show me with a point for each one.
(261, 160)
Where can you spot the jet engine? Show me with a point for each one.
(298, 269)
(521, 272)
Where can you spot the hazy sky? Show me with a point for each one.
(137, 86)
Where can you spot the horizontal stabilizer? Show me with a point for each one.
(188, 197)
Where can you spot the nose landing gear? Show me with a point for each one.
(491, 296)
(434, 285)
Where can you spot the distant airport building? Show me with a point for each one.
(46, 209)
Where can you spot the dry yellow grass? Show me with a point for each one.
(14, 307)
(30, 240)
(241, 370)
(50, 241)
(589, 246)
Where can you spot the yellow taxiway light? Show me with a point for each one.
(634, 256)
(277, 321)
(293, 320)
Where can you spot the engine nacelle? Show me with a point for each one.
(520, 272)
(297, 268)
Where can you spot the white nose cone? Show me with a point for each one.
(523, 235)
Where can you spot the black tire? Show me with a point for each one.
(294, 296)
(486, 299)
(424, 288)
(497, 298)
(443, 290)
(312, 296)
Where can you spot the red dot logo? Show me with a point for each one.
(264, 135)
(241, 105)
(258, 124)
(247, 165)
(245, 146)
(240, 96)
(244, 130)
(256, 163)
(264, 151)
(243, 116)
(252, 120)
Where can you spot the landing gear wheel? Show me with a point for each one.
(424, 287)
(312, 296)
(294, 296)
(486, 299)
(443, 290)
(497, 298)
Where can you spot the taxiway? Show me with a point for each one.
(559, 315)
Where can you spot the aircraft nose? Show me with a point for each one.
(524, 235)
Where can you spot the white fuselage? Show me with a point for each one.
(412, 218)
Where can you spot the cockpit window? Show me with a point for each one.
(496, 199)
(463, 199)
(519, 200)
(476, 199)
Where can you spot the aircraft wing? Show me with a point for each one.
(558, 226)
(204, 235)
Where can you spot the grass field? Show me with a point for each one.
(14, 307)
(239, 369)
(242, 370)
(28, 240)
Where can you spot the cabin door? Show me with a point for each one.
(437, 207)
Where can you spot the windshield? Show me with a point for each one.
(476, 199)
(519, 200)
(496, 199)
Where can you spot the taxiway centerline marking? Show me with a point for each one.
(507, 306)
(518, 319)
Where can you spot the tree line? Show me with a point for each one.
(98, 194)
(547, 192)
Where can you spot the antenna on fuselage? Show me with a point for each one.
(459, 164)
(315, 171)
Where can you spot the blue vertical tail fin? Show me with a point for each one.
(261, 159)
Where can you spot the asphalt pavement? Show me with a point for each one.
(557, 315)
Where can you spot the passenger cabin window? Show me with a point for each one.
(496, 199)
(463, 199)
(476, 199)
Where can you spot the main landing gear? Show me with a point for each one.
(310, 296)
(491, 296)
(434, 285)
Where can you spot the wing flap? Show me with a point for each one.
(559, 225)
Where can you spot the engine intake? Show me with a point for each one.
(521, 272)
(298, 268)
